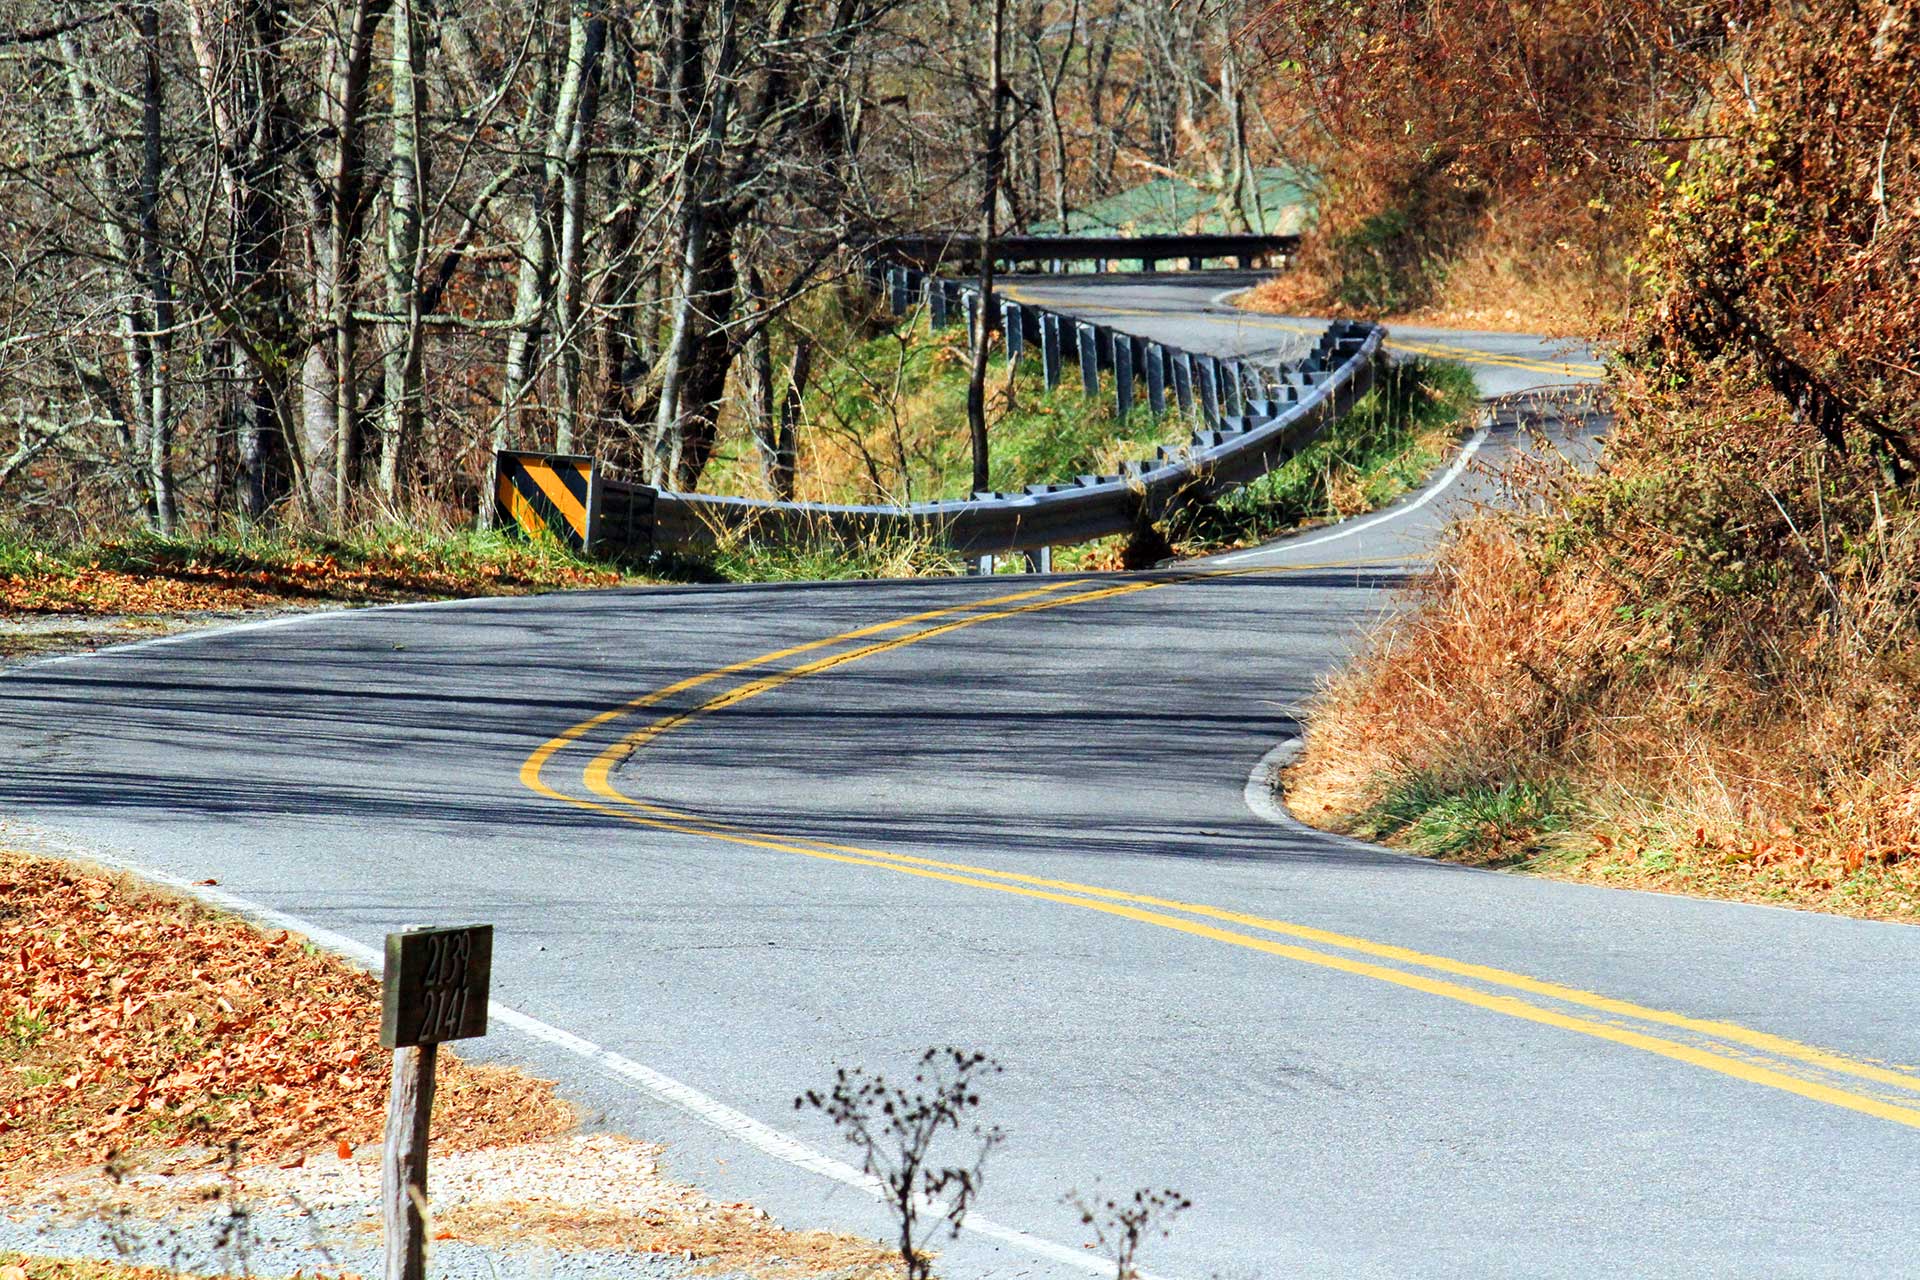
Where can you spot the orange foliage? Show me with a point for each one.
(135, 1022)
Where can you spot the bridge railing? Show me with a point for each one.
(930, 251)
(1249, 418)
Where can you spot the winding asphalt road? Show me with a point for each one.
(733, 836)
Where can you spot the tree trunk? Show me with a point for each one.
(406, 188)
(707, 350)
(532, 294)
(329, 400)
(573, 208)
(992, 154)
(1233, 95)
(626, 307)
(346, 216)
(135, 347)
(704, 284)
(159, 284)
(787, 445)
(775, 405)
(233, 42)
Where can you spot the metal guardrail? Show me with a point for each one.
(1250, 419)
(930, 250)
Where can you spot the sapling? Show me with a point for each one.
(1119, 1226)
(896, 1128)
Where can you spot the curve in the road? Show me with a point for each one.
(1800, 1069)
(880, 816)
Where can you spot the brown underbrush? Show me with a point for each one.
(1517, 271)
(1695, 667)
(1694, 670)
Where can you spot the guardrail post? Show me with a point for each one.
(1259, 403)
(897, 290)
(1183, 381)
(970, 306)
(1156, 369)
(1122, 377)
(1207, 373)
(1089, 359)
(1232, 390)
(1196, 264)
(1149, 264)
(1103, 344)
(1050, 348)
(936, 302)
(1013, 330)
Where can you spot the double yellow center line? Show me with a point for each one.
(1883, 1091)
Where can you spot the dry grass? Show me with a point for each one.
(724, 1238)
(1528, 280)
(24, 1266)
(1715, 720)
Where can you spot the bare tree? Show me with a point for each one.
(992, 157)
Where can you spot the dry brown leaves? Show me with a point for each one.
(21, 1266)
(135, 1022)
(196, 586)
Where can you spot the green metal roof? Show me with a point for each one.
(1169, 206)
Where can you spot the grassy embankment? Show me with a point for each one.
(888, 424)
(1694, 670)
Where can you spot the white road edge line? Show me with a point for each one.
(1348, 529)
(1263, 786)
(684, 1097)
(1262, 794)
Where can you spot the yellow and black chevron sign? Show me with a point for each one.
(548, 495)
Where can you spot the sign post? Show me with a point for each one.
(435, 988)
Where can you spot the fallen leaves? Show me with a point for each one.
(132, 1021)
(182, 581)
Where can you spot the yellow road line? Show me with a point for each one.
(597, 773)
(1511, 1006)
(531, 768)
(1129, 905)
(1467, 355)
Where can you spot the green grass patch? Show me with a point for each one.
(1380, 450)
(749, 559)
(1489, 823)
(887, 422)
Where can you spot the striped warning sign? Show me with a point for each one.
(548, 495)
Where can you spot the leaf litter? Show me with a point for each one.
(190, 1057)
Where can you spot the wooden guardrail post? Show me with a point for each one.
(434, 989)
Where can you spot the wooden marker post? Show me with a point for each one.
(435, 989)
